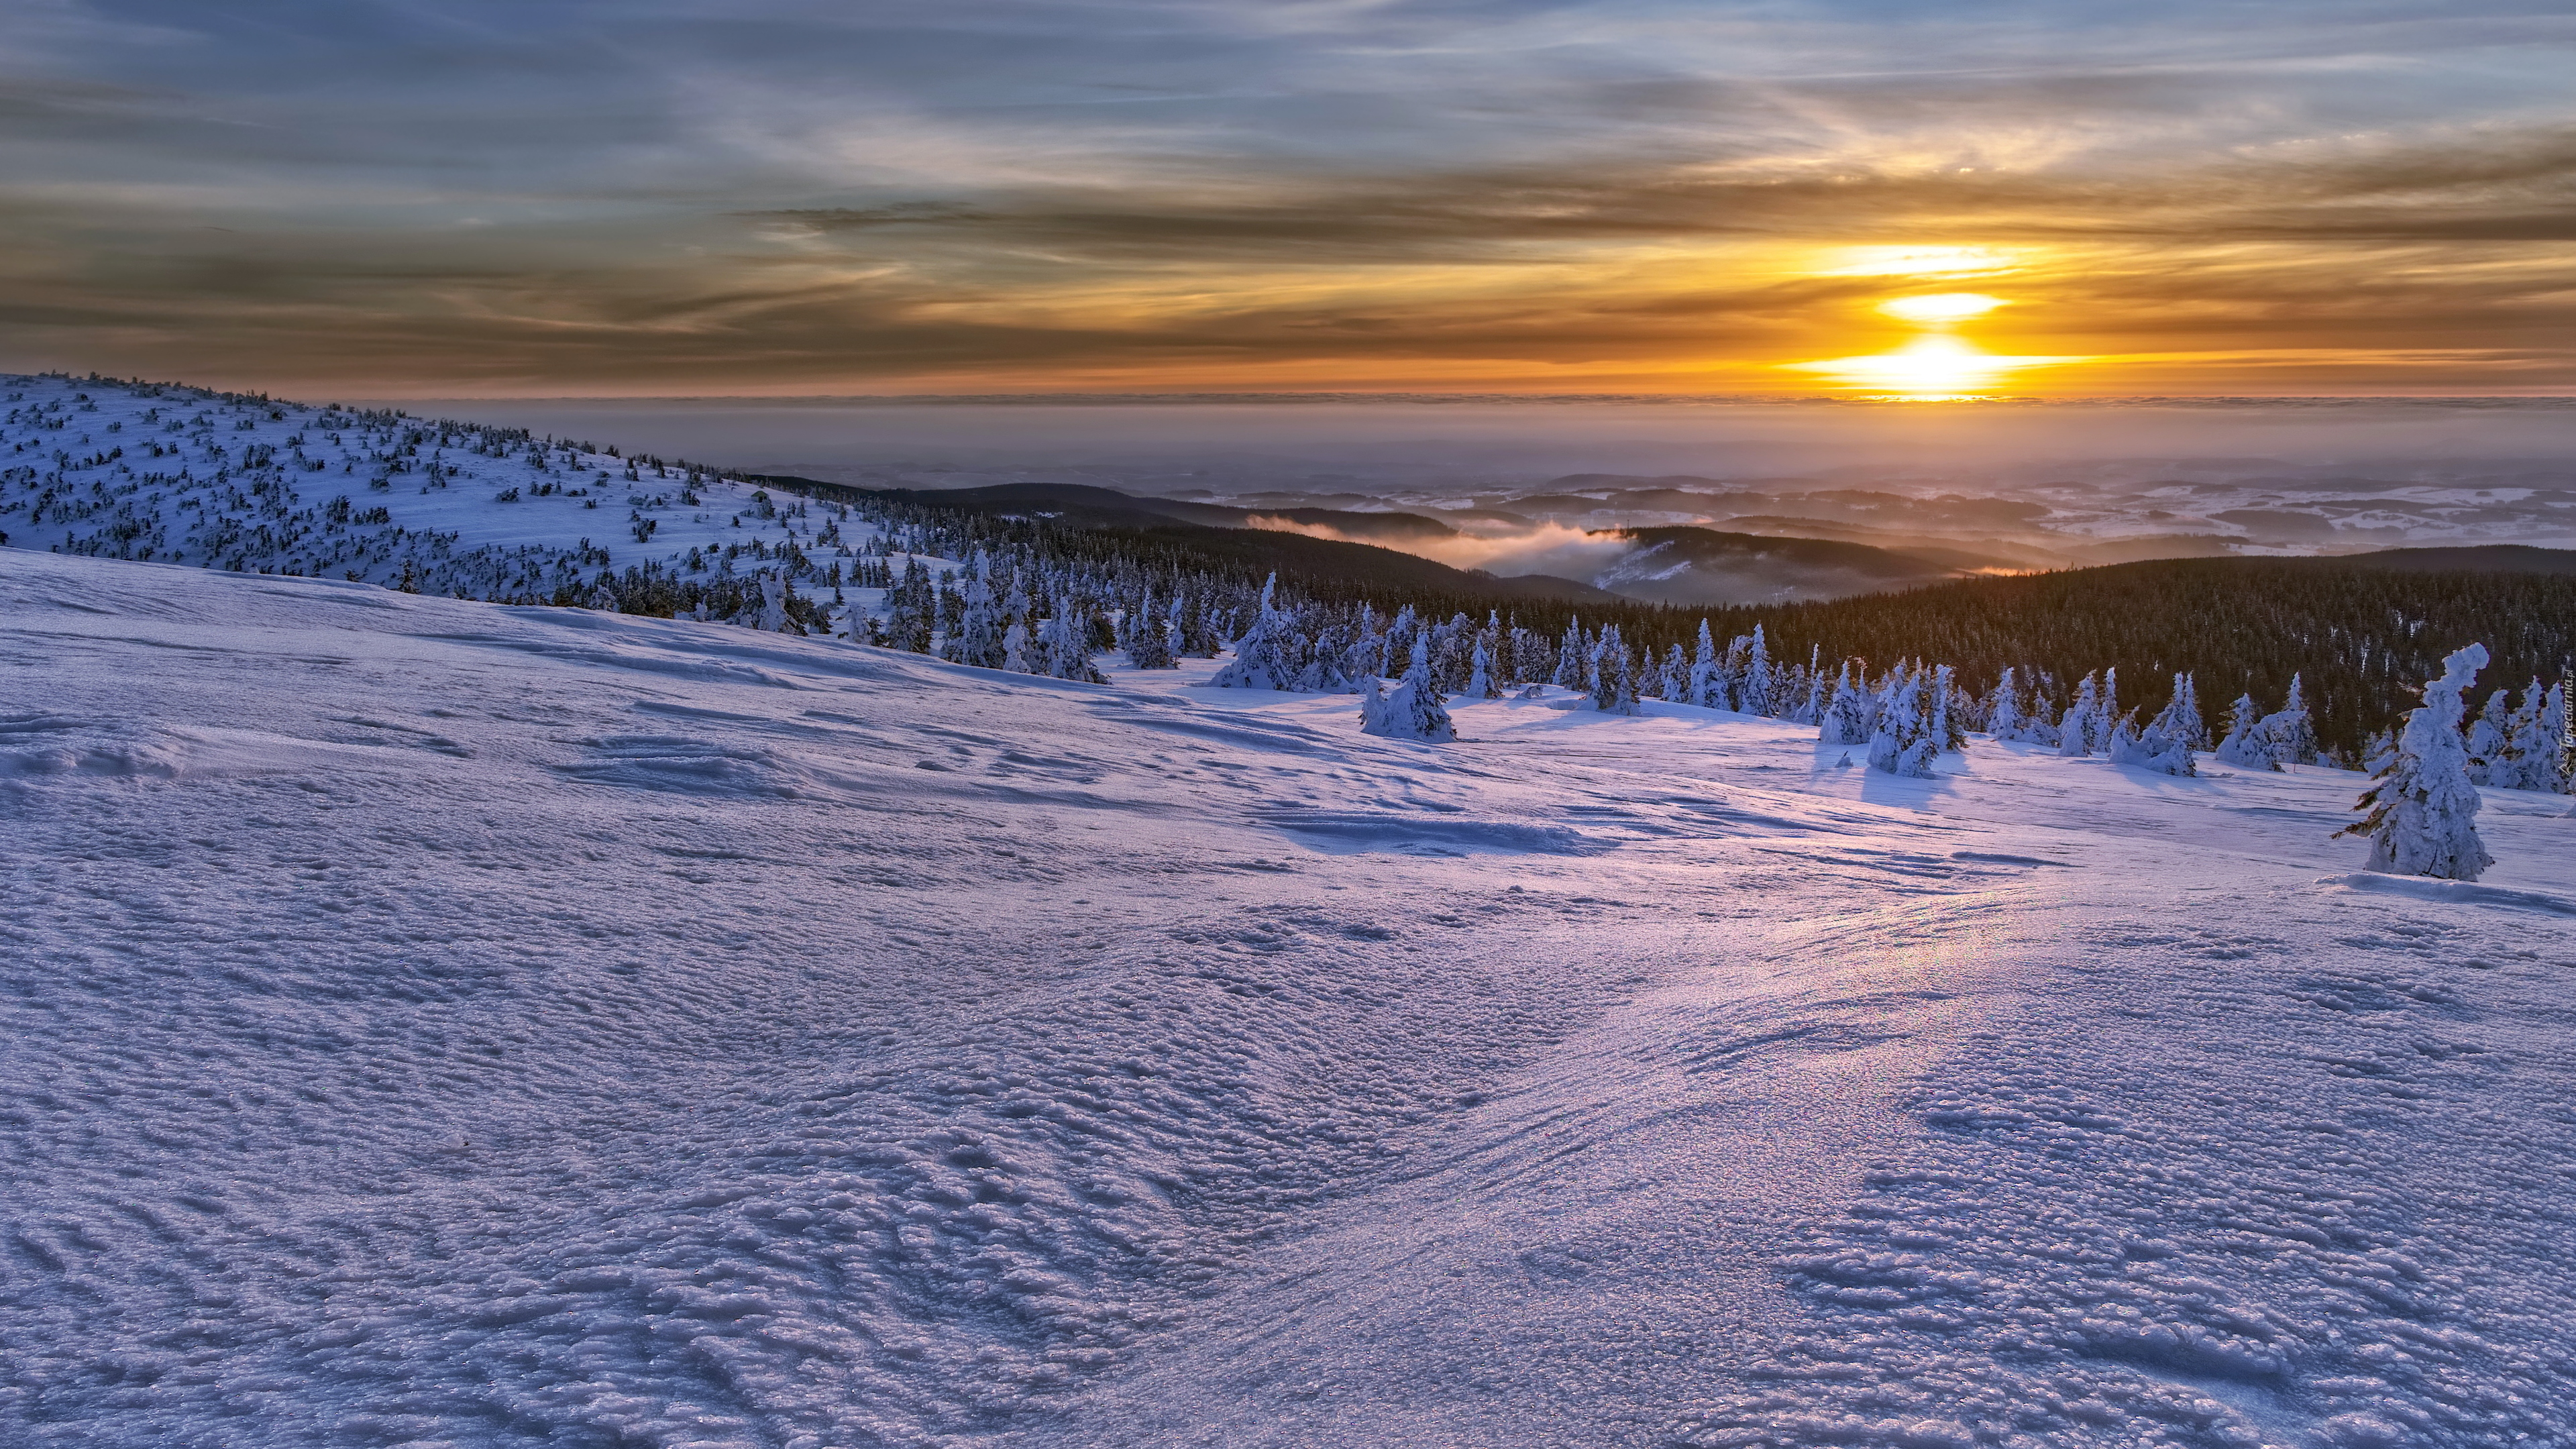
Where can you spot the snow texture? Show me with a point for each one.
(446, 1023)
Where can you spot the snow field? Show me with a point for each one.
(433, 1022)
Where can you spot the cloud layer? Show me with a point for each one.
(767, 196)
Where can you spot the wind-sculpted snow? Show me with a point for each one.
(430, 1022)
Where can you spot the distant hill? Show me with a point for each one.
(1087, 505)
(2493, 558)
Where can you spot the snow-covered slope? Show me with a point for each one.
(442, 1023)
(183, 475)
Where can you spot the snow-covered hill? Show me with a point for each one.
(441, 1023)
(185, 475)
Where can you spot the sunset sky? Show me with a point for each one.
(471, 197)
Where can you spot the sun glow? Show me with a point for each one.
(1941, 308)
(1926, 368)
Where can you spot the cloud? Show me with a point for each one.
(1185, 193)
(1544, 548)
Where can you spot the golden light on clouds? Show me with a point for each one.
(1885, 261)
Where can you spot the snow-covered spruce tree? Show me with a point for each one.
(1569, 658)
(2522, 729)
(2245, 746)
(2490, 736)
(2180, 718)
(1758, 694)
(1847, 713)
(1707, 674)
(978, 640)
(2290, 733)
(2086, 725)
(2003, 709)
(2422, 809)
(1676, 676)
(1015, 649)
(1945, 718)
(1480, 675)
(1365, 658)
(1609, 673)
(774, 618)
(2165, 745)
(1016, 610)
(2543, 749)
(1399, 636)
(1263, 657)
(1064, 644)
(1811, 708)
(1413, 709)
(1902, 743)
(1148, 646)
(1326, 661)
(1532, 656)
(1623, 698)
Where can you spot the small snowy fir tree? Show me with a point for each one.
(2094, 720)
(1902, 743)
(979, 629)
(1623, 700)
(775, 618)
(2245, 746)
(1148, 646)
(1759, 683)
(1569, 659)
(1811, 709)
(2423, 810)
(1847, 720)
(2291, 735)
(2490, 739)
(2378, 750)
(1015, 649)
(1945, 717)
(1265, 657)
(2180, 718)
(1326, 656)
(2165, 745)
(1613, 691)
(1676, 680)
(1480, 674)
(2521, 734)
(2003, 710)
(1413, 710)
(2542, 751)
(1707, 674)
(1064, 644)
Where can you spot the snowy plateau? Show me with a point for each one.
(445, 1023)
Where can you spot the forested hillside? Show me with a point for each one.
(2363, 633)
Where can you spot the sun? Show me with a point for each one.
(1940, 309)
(1926, 368)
